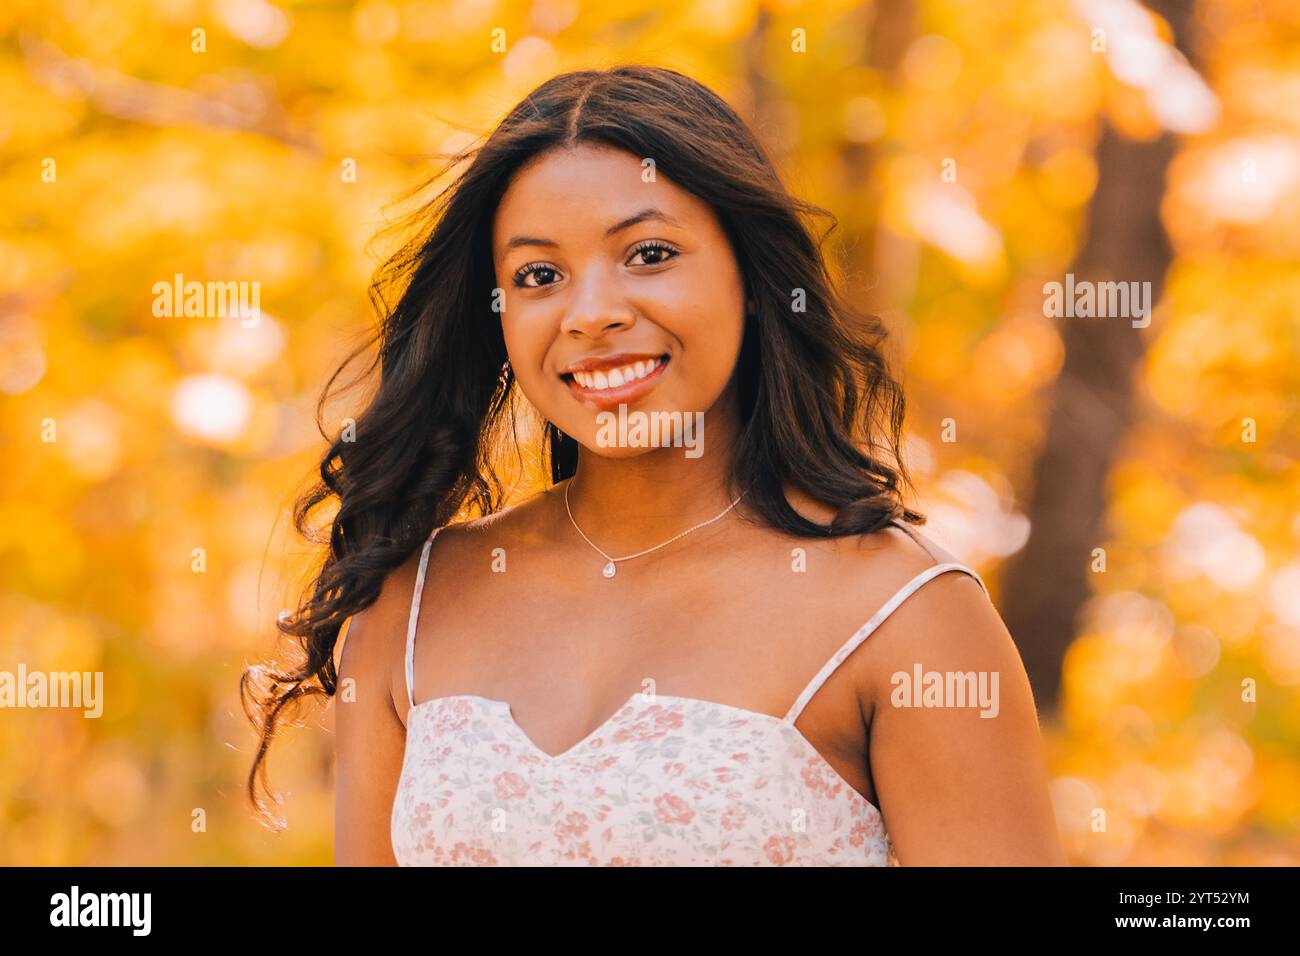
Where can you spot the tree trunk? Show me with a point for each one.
(1092, 402)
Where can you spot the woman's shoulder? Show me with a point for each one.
(940, 606)
(467, 552)
(875, 560)
(858, 574)
(375, 639)
(901, 556)
(389, 612)
(528, 521)
(946, 620)
(877, 566)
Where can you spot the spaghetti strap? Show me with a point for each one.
(415, 616)
(877, 619)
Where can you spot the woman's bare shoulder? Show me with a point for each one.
(872, 562)
(375, 640)
(948, 620)
(529, 522)
(467, 554)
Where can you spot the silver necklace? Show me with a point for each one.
(610, 568)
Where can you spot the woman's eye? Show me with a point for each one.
(537, 269)
(654, 253)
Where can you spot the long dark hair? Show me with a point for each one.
(819, 409)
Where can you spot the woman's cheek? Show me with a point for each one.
(525, 337)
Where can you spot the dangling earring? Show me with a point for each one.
(504, 377)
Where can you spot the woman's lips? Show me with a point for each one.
(608, 399)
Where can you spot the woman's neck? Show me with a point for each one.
(628, 504)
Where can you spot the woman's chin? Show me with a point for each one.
(635, 432)
(615, 451)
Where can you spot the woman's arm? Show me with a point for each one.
(957, 788)
(370, 738)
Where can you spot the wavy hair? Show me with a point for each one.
(819, 409)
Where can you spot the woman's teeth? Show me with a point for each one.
(615, 377)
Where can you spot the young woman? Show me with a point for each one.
(661, 658)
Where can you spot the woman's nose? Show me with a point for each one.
(597, 306)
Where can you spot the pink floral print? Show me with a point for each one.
(668, 781)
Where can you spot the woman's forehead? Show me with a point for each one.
(586, 191)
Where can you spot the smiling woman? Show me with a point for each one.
(621, 241)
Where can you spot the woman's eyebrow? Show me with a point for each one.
(644, 215)
(528, 241)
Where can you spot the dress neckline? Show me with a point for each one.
(636, 697)
(507, 712)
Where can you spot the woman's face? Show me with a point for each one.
(617, 291)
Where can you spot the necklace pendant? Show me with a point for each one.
(609, 570)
